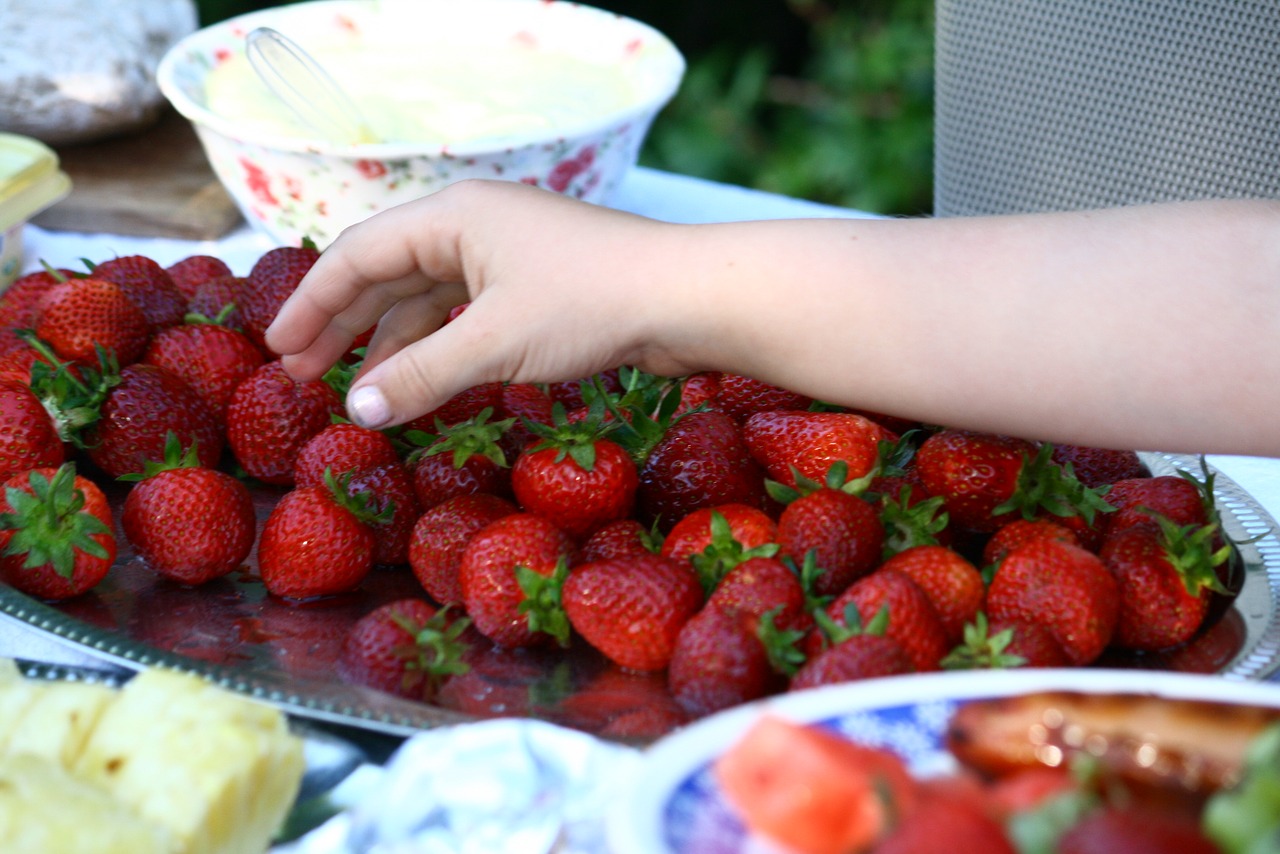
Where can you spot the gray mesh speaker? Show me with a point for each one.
(1069, 104)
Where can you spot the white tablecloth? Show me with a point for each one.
(645, 191)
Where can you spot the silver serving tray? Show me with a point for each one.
(232, 632)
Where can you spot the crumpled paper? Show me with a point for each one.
(505, 786)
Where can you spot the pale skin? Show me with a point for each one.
(1150, 327)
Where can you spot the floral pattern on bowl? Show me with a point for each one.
(291, 189)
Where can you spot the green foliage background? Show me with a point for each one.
(830, 100)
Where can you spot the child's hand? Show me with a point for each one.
(558, 291)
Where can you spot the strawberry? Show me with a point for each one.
(1005, 643)
(271, 416)
(698, 391)
(1166, 576)
(1096, 467)
(23, 301)
(631, 609)
(1018, 531)
(405, 647)
(317, 541)
(440, 536)
(575, 477)
(220, 299)
(273, 277)
(511, 575)
(759, 586)
(28, 437)
(855, 653)
(82, 315)
(974, 473)
(961, 821)
(570, 394)
(1064, 587)
(913, 622)
(188, 522)
(718, 662)
(832, 520)
(189, 273)
(56, 531)
(525, 403)
(342, 448)
(460, 458)
(1136, 499)
(741, 397)
(391, 497)
(151, 288)
(1136, 830)
(701, 461)
(139, 413)
(212, 359)
(954, 585)
(463, 406)
(719, 538)
(621, 538)
(787, 442)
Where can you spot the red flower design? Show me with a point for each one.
(371, 168)
(258, 182)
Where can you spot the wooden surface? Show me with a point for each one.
(156, 183)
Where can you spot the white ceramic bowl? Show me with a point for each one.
(291, 187)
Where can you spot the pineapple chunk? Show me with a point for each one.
(216, 769)
(43, 809)
(58, 720)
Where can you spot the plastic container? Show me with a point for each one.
(30, 181)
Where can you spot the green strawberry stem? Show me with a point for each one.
(542, 605)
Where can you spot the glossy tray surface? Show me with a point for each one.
(232, 631)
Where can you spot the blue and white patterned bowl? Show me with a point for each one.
(674, 806)
(292, 188)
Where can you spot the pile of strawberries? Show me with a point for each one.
(737, 537)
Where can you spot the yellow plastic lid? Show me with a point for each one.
(30, 179)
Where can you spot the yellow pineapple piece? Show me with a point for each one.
(219, 770)
(58, 719)
(44, 810)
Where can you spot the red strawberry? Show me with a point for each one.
(698, 390)
(511, 575)
(187, 522)
(219, 299)
(440, 536)
(151, 288)
(463, 406)
(405, 647)
(954, 585)
(718, 662)
(23, 301)
(391, 497)
(1018, 531)
(316, 542)
(1136, 830)
(1063, 587)
(960, 821)
(622, 538)
(861, 655)
(1095, 467)
(270, 417)
(570, 394)
(524, 402)
(632, 609)
(1170, 495)
(1005, 643)
(274, 276)
(1166, 576)
(741, 397)
(974, 473)
(842, 529)
(913, 622)
(761, 585)
(81, 315)
(716, 539)
(212, 359)
(28, 437)
(701, 461)
(342, 448)
(789, 441)
(576, 478)
(189, 273)
(461, 458)
(138, 415)
(56, 531)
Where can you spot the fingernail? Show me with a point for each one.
(367, 407)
